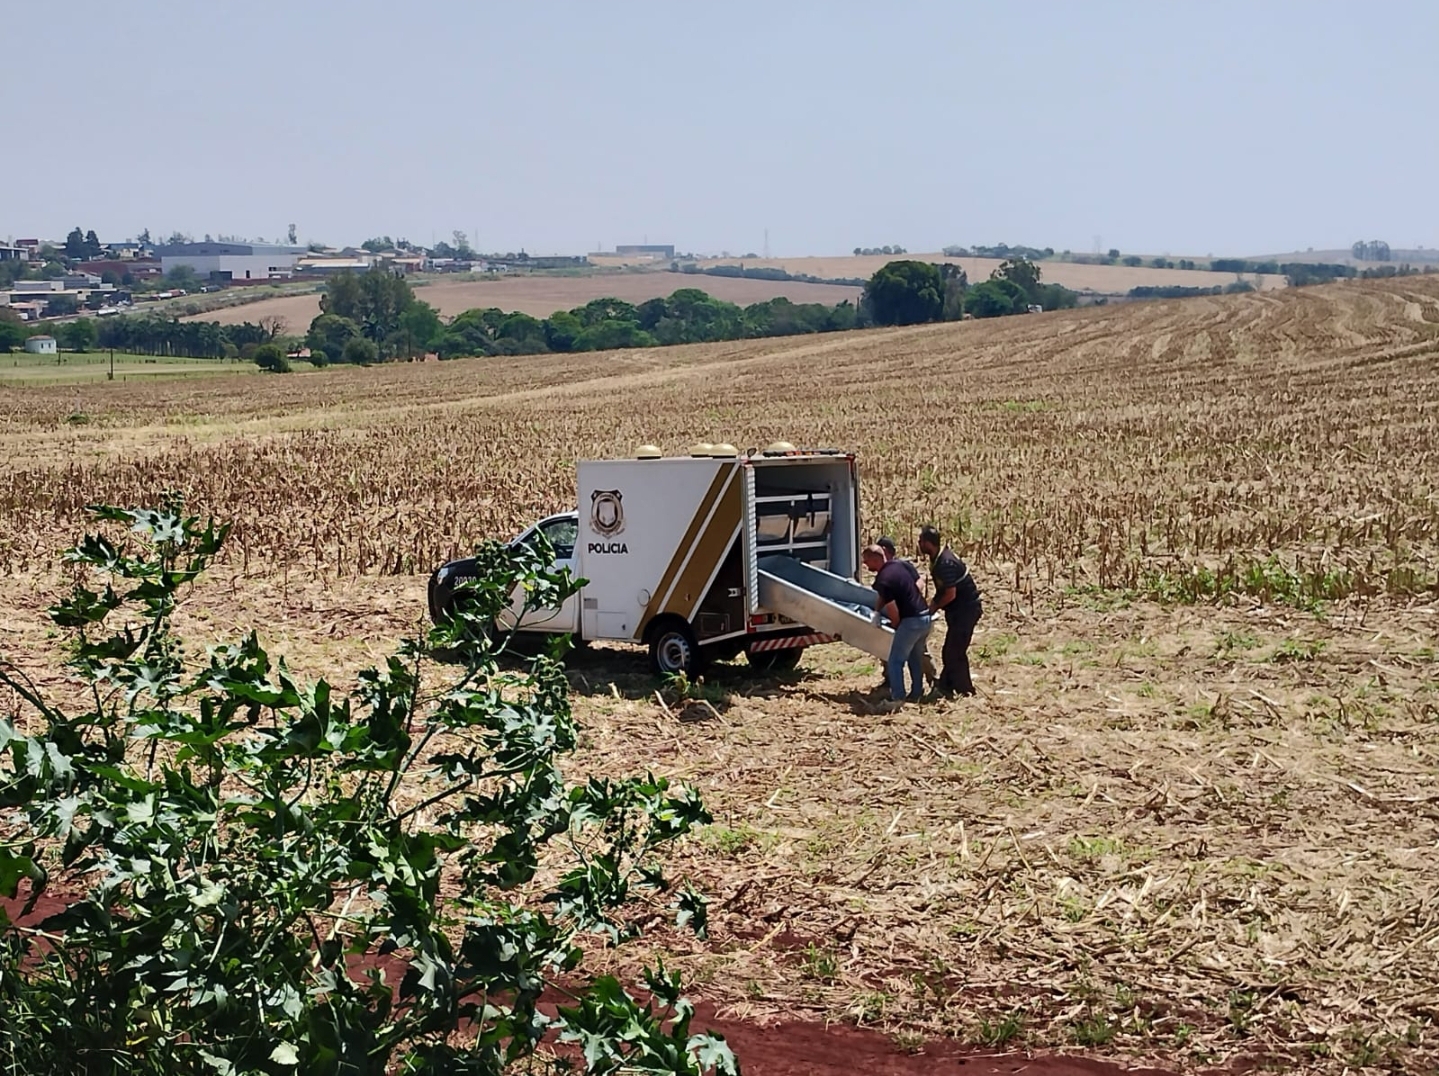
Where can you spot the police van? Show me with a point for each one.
(705, 557)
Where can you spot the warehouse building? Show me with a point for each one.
(657, 250)
(231, 261)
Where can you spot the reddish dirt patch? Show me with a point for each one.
(807, 1049)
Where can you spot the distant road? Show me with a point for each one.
(541, 296)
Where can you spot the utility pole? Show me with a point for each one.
(112, 365)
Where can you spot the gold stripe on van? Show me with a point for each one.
(713, 545)
(666, 583)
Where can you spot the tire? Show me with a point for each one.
(674, 650)
(775, 661)
(442, 595)
(443, 600)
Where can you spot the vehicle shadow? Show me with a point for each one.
(625, 674)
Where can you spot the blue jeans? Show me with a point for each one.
(907, 649)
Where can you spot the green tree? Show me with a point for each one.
(330, 333)
(342, 296)
(61, 305)
(318, 359)
(561, 330)
(78, 335)
(361, 352)
(956, 281)
(610, 335)
(379, 243)
(1023, 273)
(525, 330)
(238, 851)
(374, 300)
(905, 293)
(271, 358)
(651, 312)
(75, 244)
(992, 299)
(420, 329)
(13, 333)
(183, 277)
(471, 333)
(1057, 297)
(598, 310)
(93, 248)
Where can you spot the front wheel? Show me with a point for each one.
(674, 651)
(775, 661)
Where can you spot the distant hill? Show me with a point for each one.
(1345, 257)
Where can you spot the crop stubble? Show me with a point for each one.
(1175, 830)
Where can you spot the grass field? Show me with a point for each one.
(541, 296)
(1191, 816)
(20, 368)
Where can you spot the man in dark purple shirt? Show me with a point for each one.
(891, 555)
(900, 600)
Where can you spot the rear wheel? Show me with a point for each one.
(775, 661)
(673, 650)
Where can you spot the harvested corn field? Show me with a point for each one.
(1192, 815)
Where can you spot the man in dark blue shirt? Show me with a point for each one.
(956, 592)
(901, 602)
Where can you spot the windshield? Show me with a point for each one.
(561, 532)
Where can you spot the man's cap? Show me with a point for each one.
(886, 543)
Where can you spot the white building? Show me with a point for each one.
(329, 266)
(231, 261)
(40, 345)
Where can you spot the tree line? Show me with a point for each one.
(1176, 291)
(375, 316)
(914, 292)
(762, 272)
(147, 334)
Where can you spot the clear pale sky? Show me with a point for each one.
(1227, 126)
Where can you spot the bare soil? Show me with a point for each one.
(541, 296)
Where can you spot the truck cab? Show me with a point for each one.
(562, 532)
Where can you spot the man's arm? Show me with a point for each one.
(941, 599)
(891, 610)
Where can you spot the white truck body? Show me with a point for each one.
(727, 554)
